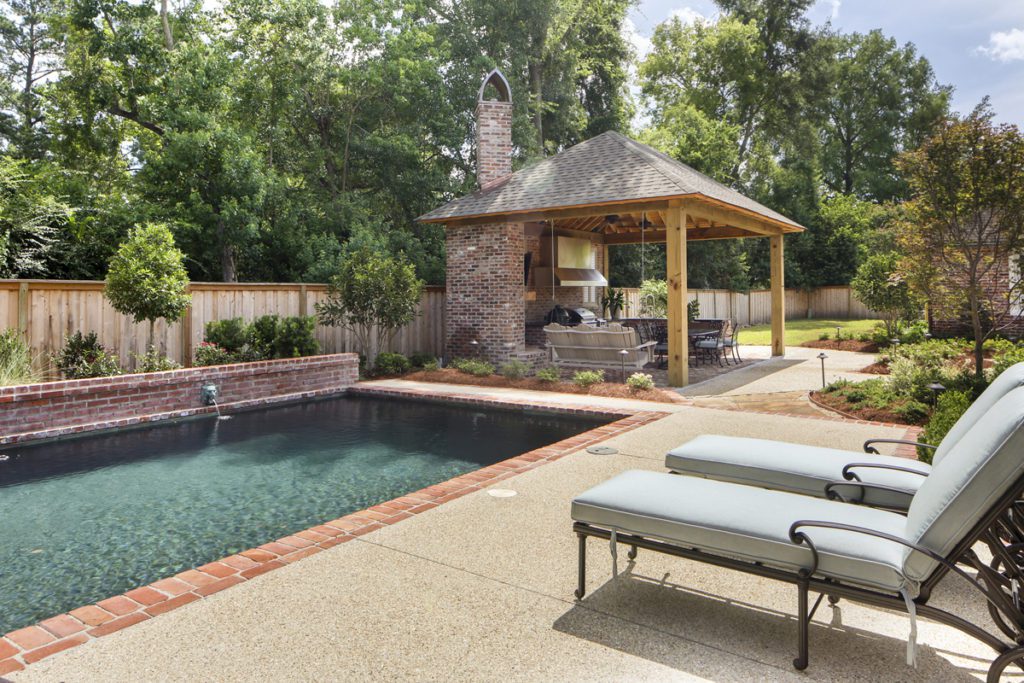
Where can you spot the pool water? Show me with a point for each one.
(84, 519)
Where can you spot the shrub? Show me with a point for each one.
(638, 381)
(430, 365)
(549, 374)
(654, 298)
(295, 337)
(948, 409)
(154, 361)
(15, 360)
(880, 286)
(477, 368)
(230, 335)
(586, 378)
(208, 353)
(83, 356)
(421, 360)
(1005, 358)
(261, 337)
(824, 336)
(515, 369)
(391, 364)
(692, 310)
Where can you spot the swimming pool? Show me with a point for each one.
(84, 519)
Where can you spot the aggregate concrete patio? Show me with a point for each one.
(480, 588)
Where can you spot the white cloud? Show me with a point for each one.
(641, 43)
(1005, 46)
(687, 15)
(835, 8)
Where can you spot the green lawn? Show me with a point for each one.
(799, 331)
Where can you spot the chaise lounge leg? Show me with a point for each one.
(632, 552)
(581, 587)
(800, 663)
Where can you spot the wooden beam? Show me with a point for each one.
(778, 296)
(732, 219)
(675, 268)
(558, 214)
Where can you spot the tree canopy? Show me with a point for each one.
(277, 138)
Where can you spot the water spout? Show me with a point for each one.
(217, 408)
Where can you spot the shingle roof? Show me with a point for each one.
(606, 169)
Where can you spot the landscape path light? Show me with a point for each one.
(622, 363)
(822, 356)
(936, 389)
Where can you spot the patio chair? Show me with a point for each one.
(711, 345)
(836, 549)
(731, 342)
(869, 478)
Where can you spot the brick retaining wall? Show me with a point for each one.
(34, 411)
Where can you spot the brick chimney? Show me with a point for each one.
(493, 131)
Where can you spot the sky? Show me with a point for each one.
(976, 46)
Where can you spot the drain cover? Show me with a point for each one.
(602, 450)
(501, 493)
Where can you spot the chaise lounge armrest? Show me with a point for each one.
(870, 448)
(832, 493)
(848, 475)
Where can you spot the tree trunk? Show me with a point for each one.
(165, 21)
(979, 335)
(228, 269)
(152, 336)
(536, 85)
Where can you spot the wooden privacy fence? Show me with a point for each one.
(46, 311)
(755, 308)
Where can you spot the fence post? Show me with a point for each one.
(849, 302)
(23, 300)
(186, 332)
(303, 308)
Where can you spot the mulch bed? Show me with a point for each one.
(839, 405)
(844, 345)
(607, 389)
(877, 369)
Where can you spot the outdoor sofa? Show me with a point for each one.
(836, 549)
(869, 478)
(598, 347)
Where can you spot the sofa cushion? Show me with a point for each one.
(748, 523)
(793, 467)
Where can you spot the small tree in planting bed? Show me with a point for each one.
(373, 295)
(146, 279)
(880, 287)
(966, 222)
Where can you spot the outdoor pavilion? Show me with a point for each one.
(611, 189)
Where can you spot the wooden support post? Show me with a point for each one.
(675, 269)
(303, 305)
(23, 300)
(186, 333)
(778, 277)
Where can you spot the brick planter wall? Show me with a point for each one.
(34, 411)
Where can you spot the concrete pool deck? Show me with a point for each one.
(480, 588)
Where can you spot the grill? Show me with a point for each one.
(570, 317)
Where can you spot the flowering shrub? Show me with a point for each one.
(586, 378)
(208, 353)
(638, 381)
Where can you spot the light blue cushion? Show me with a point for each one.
(1007, 381)
(979, 469)
(747, 523)
(793, 467)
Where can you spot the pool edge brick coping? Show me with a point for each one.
(26, 646)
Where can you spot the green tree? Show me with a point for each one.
(146, 279)
(965, 224)
(879, 100)
(880, 286)
(30, 219)
(372, 295)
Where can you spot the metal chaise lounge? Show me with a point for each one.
(832, 548)
(869, 478)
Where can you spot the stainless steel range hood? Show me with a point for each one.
(570, 277)
(569, 264)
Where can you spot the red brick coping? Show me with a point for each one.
(53, 409)
(28, 645)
